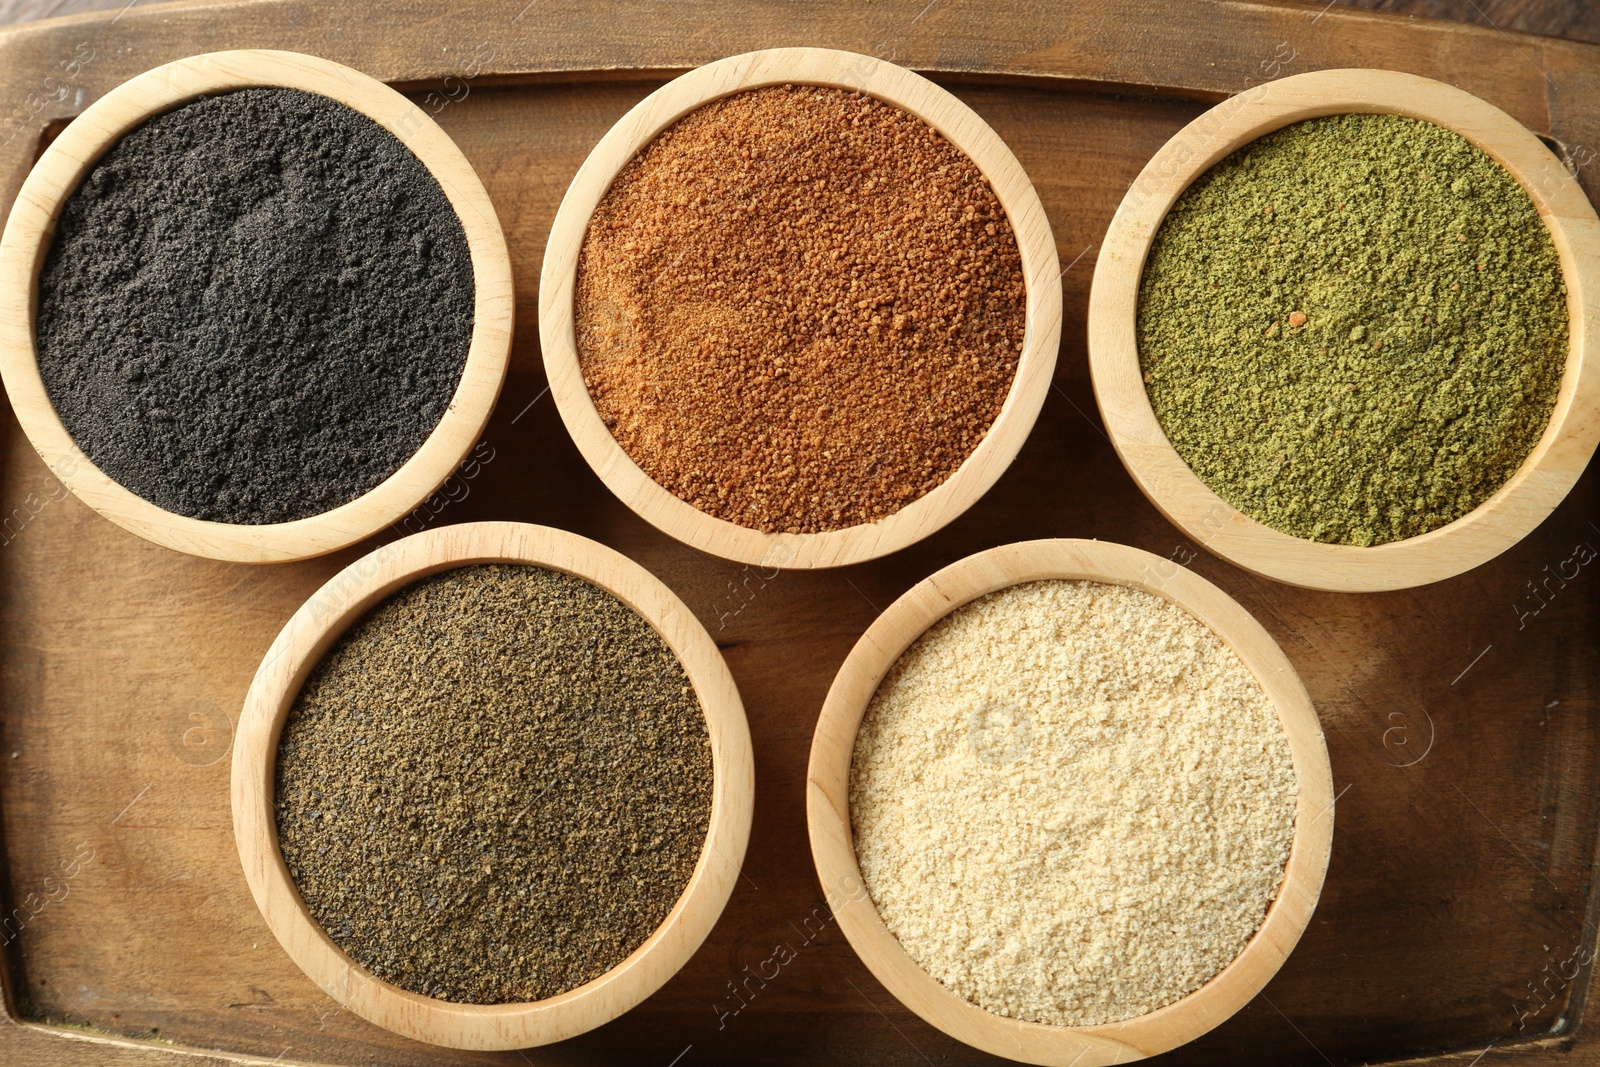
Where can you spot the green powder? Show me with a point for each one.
(495, 786)
(1353, 329)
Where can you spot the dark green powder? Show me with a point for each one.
(1354, 328)
(495, 786)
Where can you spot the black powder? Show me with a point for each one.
(256, 307)
(496, 785)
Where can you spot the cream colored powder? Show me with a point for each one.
(1072, 803)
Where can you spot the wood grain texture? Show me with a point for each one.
(832, 845)
(1559, 456)
(57, 175)
(14, 11)
(1576, 20)
(960, 126)
(1462, 719)
(307, 637)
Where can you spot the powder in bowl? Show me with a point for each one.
(799, 308)
(1072, 803)
(1354, 329)
(496, 785)
(255, 308)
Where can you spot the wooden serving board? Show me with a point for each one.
(1461, 718)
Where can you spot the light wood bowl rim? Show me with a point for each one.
(832, 846)
(1544, 478)
(57, 175)
(312, 631)
(894, 85)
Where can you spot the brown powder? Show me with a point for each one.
(799, 308)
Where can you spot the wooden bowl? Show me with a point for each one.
(57, 175)
(833, 848)
(314, 629)
(1505, 518)
(895, 85)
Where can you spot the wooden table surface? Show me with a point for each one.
(1575, 20)
(1463, 719)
